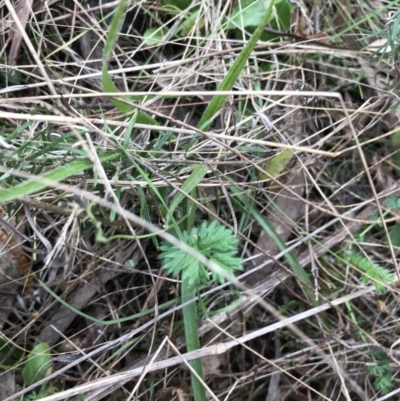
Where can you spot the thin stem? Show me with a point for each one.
(192, 336)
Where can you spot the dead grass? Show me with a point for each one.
(106, 308)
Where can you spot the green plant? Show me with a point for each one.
(373, 271)
(230, 78)
(381, 369)
(36, 395)
(378, 274)
(57, 174)
(219, 245)
(37, 366)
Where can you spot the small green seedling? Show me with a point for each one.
(217, 243)
(38, 366)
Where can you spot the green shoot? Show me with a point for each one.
(379, 275)
(218, 100)
(216, 243)
(381, 369)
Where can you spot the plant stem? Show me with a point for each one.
(192, 336)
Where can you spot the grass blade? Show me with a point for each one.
(60, 173)
(228, 82)
(243, 202)
(190, 183)
(108, 84)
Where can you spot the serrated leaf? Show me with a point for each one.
(208, 239)
(380, 368)
(379, 275)
(384, 384)
(38, 364)
(392, 202)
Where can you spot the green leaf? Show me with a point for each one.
(112, 36)
(250, 148)
(38, 364)
(227, 83)
(394, 234)
(378, 274)
(176, 262)
(34, 396)
(188, 23)
(395, 145)
(392, 202)
(60, 173)
(128, 131)
(278, 163)
(249, 13)
(153, 36)
(190, 183)
(110, 87)
(145, 213)
(113, 31)
(384, 383)
(10, 78)
(380, 368)
(284, 11)
(211, 240)
(280, 21)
